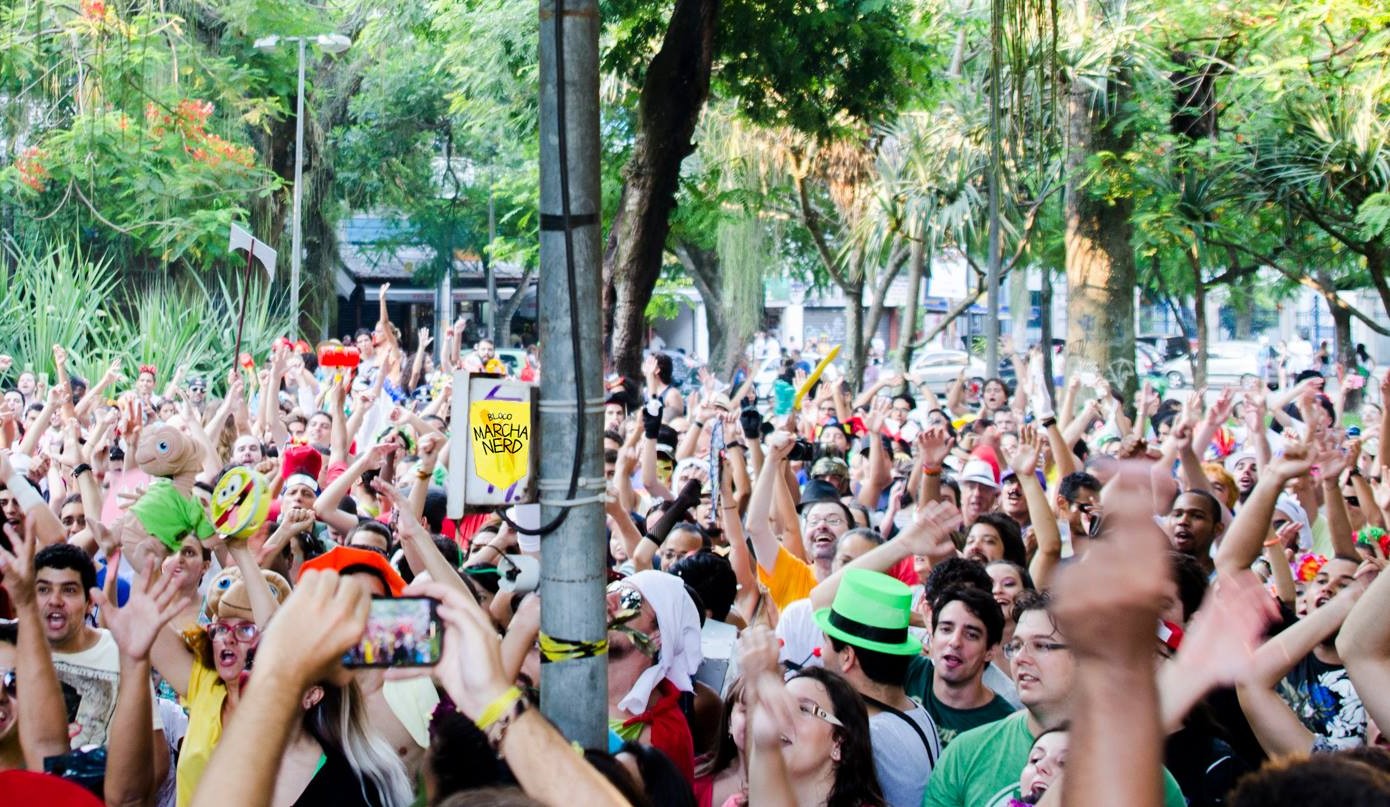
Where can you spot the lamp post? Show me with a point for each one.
(329, 43)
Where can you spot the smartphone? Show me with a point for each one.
(401, 632)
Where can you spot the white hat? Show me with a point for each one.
(1236, 457)
(979, 471)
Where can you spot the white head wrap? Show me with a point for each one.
(801, 638)
(1289, 506)
(679, 624)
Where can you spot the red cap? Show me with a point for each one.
(30, 787)
(342, 559)
(989, 455)
(301, 459)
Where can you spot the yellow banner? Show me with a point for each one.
(501, 435)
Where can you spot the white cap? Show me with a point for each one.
(979, 471)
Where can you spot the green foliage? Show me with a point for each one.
(56, 295)
(1374, 216)
(865, 61)
(137, 136)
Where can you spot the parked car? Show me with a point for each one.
(1169, 347)
(514, 358)
(1228, 365)
(937, 370)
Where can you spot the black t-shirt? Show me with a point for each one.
(336, 784)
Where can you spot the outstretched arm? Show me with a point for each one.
(43, 724)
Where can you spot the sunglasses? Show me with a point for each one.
(629, 602)
(9, 681)
(244, 632)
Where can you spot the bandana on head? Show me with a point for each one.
(679, 625)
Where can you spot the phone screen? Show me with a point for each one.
(401, 632)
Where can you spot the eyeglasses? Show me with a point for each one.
(829, 521)
(243, 632)
(1036, 647)
(813, 709)
(9, 681)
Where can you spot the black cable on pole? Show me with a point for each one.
(570, 281)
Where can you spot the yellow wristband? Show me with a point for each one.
(495, 709)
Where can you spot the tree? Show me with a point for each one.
(859, 71)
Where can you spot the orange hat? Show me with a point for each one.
(348, 559)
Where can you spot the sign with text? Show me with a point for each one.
(493, 428)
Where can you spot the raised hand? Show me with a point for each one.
(1110, 622)
(930, 532)
(60, 356)
(470, 669)
(333, 611)
(150, 606)
(1222, 637)
(772, 710)
(1031, 444)
(423, 340)
(17, 567)
(778, 445)
(878, 413)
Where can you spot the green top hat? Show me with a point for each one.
(871, 610)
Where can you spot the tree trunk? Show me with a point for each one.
(1045, 319)
(1099, 255)
(854, 332)
(917, 267)
(673, 95)
(1199, 312)
(703, 267)
(509, 309)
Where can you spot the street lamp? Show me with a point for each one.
(328, 43)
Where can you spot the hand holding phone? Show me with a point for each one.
(401, 632)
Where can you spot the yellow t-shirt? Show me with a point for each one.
(206, 692)
(791, 579)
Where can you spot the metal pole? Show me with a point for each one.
(574, 693)
(996, 34)
(298, 194)
(491, 268)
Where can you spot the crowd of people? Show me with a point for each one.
(873, 596)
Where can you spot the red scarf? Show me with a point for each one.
(670, 733)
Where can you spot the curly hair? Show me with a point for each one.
(856, 782)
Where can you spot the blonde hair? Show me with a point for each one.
(1216, 472)
(339, 720)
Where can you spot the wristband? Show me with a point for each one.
(1048, 422)
(82, 468)
(497, 732)
(493, 711)
(931, 471)
(24, 493)
(1272, 542)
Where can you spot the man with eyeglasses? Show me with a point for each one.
(787, 577)
(980, 767)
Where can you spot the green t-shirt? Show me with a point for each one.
(981, 768)
(949, 720)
